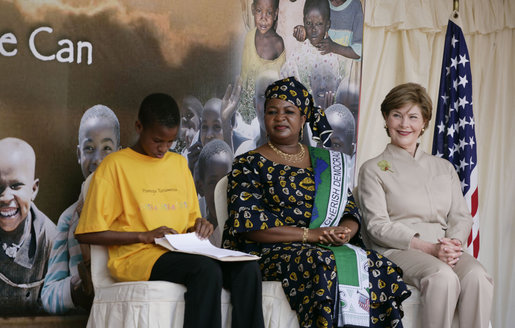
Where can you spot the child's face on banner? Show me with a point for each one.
(264, 15)
(17, 189)
(99, 140)
(190, 120)
(322, 83)
(211, 127)
(316, 26)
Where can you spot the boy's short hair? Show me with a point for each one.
(159, 108)
(321, 5)
(344, 114)
(408, 93)
(100, 112)
(212, 148)
(194, 103)
(275, 3)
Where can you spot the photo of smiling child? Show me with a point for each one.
(68, 284)
(26, 234)
(263, 50)
(191, 113)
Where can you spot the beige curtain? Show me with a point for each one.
(404, 42)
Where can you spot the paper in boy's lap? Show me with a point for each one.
(192, 244)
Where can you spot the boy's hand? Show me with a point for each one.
(328, 99)
(326, 46)
(230, 100)
(203, 228)
(299, 33)
(149, 236)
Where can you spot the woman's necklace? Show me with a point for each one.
(289, 157)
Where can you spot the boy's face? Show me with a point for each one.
(18, 188)
(211, 126)
(98, 141)
(264, 15)
(155, 139)
(342, 139)
(316, 26)
(322, 83)
(219, 165)
(190, 123)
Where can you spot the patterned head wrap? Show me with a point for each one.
(292, 91)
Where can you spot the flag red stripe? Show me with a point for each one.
(474, 202)
(476, 246)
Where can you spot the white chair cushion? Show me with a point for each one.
(138, 303)
(276, 309)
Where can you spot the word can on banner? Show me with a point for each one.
(69, 52)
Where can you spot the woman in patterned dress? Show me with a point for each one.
(282, 207)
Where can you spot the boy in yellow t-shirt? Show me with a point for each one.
(144, 192)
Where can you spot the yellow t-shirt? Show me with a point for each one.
(135, 192)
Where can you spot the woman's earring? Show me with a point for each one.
(423, 129)
(301, 133)
(385, 126)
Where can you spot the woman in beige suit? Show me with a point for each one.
(415, 214)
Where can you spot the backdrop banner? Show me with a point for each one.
(59, 59)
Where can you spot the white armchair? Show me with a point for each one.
(276, 309)
(138, 303)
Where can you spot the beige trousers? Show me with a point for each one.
(467, 286)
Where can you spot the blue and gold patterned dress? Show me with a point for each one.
(263, 194)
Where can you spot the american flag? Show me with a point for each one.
(455, 137)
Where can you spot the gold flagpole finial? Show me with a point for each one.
(456, 7)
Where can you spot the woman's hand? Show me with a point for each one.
(203, 228)
(446, 250)
(450, 251)
(331, 236)
(149, 236)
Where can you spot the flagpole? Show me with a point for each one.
(455, 8)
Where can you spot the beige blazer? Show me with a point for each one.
(401, 196)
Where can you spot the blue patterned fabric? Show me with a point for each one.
(263, 194)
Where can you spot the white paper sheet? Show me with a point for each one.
(191, 243)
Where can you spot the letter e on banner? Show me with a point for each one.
(8, 38)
